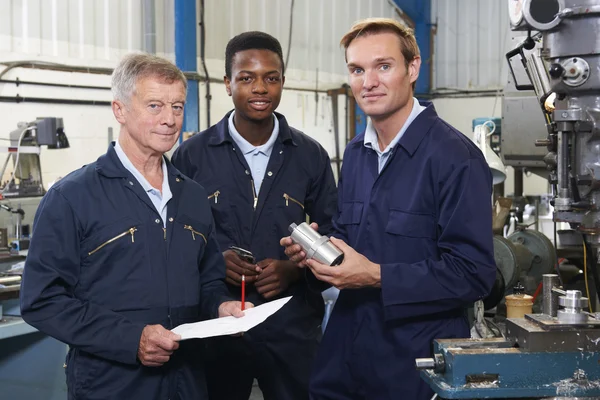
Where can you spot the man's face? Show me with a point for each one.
(256, 83)
(379, 79)
(154, 114)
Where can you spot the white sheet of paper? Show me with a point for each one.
(230, 325)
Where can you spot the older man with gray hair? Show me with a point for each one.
(124, 249)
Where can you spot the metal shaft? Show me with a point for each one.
(550, 300)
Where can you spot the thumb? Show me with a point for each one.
(173, 336)
(340, 244)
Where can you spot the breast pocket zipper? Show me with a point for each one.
(129, 231)
(289, 198)
(194, 232)
(215, 195)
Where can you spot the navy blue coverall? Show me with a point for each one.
(298, 181)
(426, 218)
(101, 267)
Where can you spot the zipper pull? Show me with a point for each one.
(287, 198)
(165, 233)
(189, 228)
(255, 202)
(131, 231)
(217, 196)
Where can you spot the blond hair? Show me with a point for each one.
(136, 66)
(371, 26)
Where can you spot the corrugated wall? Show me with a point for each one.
(470, 43)
(92, 31)
(101, 31)
(318, 26)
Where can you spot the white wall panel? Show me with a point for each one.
(470, 43)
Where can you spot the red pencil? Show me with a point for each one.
(243, 291)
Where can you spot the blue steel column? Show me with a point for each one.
(186, 59)
(420, 12)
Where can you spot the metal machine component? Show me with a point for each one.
(24, 152)
(525, 256)
(314, 245)
(555, 353)
(550, 302)
(573, 303)
(540, 357)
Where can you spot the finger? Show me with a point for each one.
(234, 262)
(271, 294)
(235, 309)
(160, 360)
(166, 344)
(265, 263)
(232, 282)
(244, 268)
(268, 288)
(292, 250)
(339, 243)
(248, 305)
(151, 364)
(233, 277)
(321, 271)
(266, 280)
(314, 225)
(286, 241)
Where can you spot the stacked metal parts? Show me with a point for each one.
(554, 353)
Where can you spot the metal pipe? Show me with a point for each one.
(549, 300)
(207, 78)
(19, 99)
(563, 164)
(19, 82)
(149, 13)
(108, 71)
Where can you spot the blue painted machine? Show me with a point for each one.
(542, 355)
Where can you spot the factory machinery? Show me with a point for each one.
(554, 353)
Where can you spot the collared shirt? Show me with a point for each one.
(157, 198)
(371, 142)
(257, 157)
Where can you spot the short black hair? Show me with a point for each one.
(250, 41)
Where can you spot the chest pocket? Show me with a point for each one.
(351, 212)
(406, 224)
(114, 238)
(190, 230)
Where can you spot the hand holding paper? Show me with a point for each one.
(230, 325)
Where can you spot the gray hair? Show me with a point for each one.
(136, 66)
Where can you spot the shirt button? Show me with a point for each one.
(281, 152)
(247, 172)
(233, 148)
(171, 219)
(270, 173)
(131, 183)
(177, 179)
(157, 221)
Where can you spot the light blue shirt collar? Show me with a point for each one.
(370, 139)
(157, 198)
(247, 147)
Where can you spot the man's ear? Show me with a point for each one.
(119, 111)
(413, 68)
(227, 82)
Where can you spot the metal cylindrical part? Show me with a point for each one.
(314, 245)
(424, 363)
(563, 164)
(573, 303)
(550, 300)
(10, 280)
